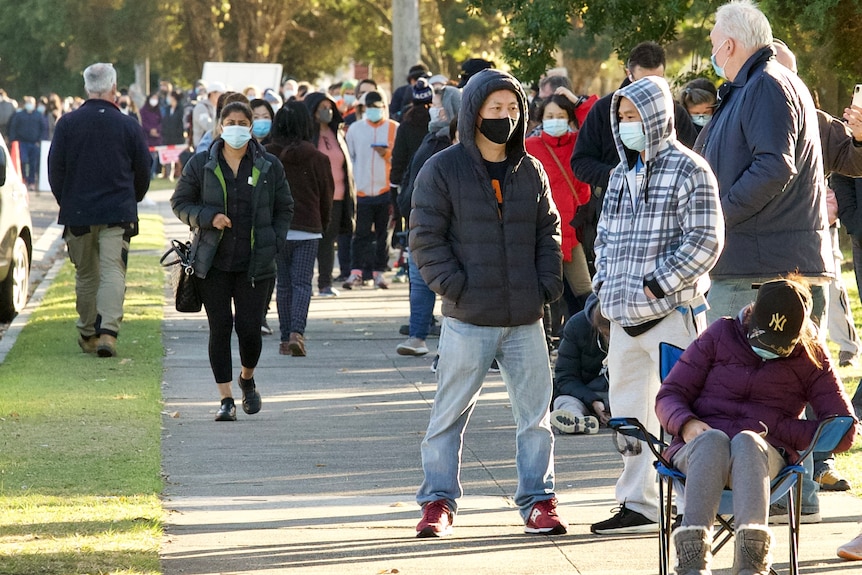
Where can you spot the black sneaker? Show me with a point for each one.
(624, 522)
(250, 397)
(404, 330)
(495, 368)
(227, 410)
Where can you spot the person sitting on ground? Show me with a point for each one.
(733, 403)
(580, 375)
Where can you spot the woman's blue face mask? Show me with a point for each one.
(764, 353)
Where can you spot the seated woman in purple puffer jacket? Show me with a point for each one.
(732, 403)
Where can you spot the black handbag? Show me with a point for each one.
(180, 258)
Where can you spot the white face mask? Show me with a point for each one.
(154, 102)
(555, 127)
(236, 136)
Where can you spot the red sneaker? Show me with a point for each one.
(544, 519)
(436, 520)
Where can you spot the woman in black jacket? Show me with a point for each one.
(173, 131)
(236, 199)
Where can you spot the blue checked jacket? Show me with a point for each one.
(672, 235)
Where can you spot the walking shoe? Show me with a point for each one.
(264, 328)
(404, 330)
(413, 346)
(433, 329)
(624, 522)
(354, 281)
(778, 515)
(495, 367)
(227, 410)
(829, 480)
(380, 281)
(846, 358)
(434, 363)
(852, 550)
(250, 396)
(436, 520)
(543, 518)
(107, 346)
(88, 344)
(296, 345)
(568, 422)
(284, 348)
(328, 292)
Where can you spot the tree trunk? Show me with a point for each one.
(406, 39)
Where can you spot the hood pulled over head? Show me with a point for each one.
(654, 102)
(477, 90)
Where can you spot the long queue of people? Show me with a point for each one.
(612, 223)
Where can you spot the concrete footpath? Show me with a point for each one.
(322, 480)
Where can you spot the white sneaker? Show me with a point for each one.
(413, 346)
(568, 422)
(380, 281)
(354, 281)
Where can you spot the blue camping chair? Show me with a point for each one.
(788, 481)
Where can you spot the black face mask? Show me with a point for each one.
(498, 130)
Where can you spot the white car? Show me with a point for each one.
(16, 238)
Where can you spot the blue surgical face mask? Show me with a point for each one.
(236, 136)
(374, 115)
(632, 135)
(349, 99)
(260, 127)
(719, 70)
(29, 107)
(701, 119)
(765, 353)
(555, 126)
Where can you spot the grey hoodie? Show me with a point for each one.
(672, 236)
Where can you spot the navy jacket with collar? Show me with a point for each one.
(98, 165)
(763, 144)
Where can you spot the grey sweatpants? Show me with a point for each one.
(712, 461)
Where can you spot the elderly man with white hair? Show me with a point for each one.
(764, 146)
(99, 169)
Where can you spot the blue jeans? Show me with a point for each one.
(421, 302)
(466, 352)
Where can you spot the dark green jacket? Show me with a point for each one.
(201, 195)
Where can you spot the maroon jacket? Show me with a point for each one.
(310, 179)
(722, 382)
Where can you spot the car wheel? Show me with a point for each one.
(15, 288)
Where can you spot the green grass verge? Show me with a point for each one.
(80, 437)
(849, 463)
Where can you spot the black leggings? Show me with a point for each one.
(218, 291)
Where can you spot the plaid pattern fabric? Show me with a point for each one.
(675, 232)
(293, 289)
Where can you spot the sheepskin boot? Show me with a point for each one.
(753, 553)
(693, 550)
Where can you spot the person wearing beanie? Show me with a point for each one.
(401, 97)
(471, 67)
(370, 142)
(485, 236)
(733, 403)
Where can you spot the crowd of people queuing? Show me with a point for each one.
(566, 234)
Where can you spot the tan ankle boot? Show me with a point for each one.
(107, 346)
(693, 550)
(752, 555)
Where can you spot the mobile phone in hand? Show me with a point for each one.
(857, 95)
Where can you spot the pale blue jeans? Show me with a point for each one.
(466, 352)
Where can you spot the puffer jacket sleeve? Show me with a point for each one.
(187, 200)
(549, 256)
(682, 386)
(578, 337)
(827, 397)
(430, 219)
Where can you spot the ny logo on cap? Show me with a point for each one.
(777, 322)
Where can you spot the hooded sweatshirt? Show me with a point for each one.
(669, 232)
(493, 264)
